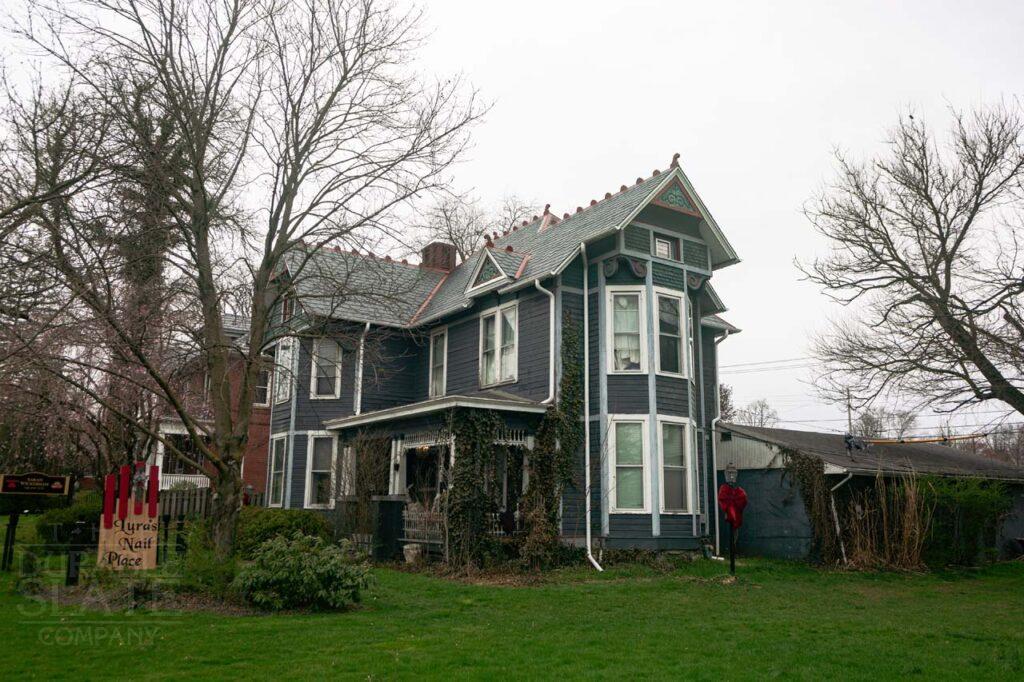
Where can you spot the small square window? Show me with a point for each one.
(666, 247)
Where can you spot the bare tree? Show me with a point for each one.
(460, 220)
(292, 126)
(925, 252)
(758, 413)
(726, 407)
(874, 422)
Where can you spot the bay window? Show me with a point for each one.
(438, 362)
(671, 334)
(675, 466)
(499, 340)
(321, 453)
(326, 365)
(629, 466)
(277, 458)
(627, 331)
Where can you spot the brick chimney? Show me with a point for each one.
(439, 255)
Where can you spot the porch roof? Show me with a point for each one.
(483, 400)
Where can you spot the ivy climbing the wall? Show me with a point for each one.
(471, 498)
(558, 440)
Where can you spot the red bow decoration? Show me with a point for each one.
(732, 500)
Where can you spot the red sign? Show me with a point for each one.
(732, 500)
(34, 484)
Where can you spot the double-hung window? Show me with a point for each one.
(627, 330)
(283, 361)
(671, 335)
(320, 470)
(261, 393)
(326, 379)
(499, 340)
(630, 491)
(675, 466)
(278, 449)
(438, 362)
(690, 334)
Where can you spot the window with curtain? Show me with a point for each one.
(630, 480)
(438, 359)
(326, 368)
(674, 479)
(283, 362)
(321, 470)
(627, 340)
(498, 346)
(277, 457)
(670, 335)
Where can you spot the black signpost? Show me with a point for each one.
(24, 491)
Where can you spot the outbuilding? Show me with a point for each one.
(776, 521)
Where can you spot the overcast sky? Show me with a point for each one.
(755, 96)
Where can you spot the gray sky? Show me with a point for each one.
(755, 96)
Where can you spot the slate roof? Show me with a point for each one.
(924, 458)
(387, 292)
(360, 288)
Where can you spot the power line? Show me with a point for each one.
(764, 362)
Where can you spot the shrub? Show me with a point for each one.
(55, 525)
(256, 525)
(203, 570)
(966, 518)
(302, 571)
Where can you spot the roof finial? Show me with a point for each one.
(547, 209)
(675, 161)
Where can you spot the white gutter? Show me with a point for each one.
(714, 441)
(358, 398)
(586, 402)
(835, 514)
(551, 342)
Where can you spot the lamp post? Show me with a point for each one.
(732, 499)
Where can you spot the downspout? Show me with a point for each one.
(357, 399)
(699, 381)
(835, 514)
(714, 442)
(586, 402)
(551, 342)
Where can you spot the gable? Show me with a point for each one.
(488, 272)
(676, 198)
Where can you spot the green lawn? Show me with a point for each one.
(778, 620)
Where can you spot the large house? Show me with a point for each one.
(485, 334)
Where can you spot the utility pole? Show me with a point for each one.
(849, 413)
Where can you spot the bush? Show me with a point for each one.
(54, 525)
(965, 521)
(302, 571)
(256, 525)
(203, 570)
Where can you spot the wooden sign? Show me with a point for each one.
(34, 484)
(128, 542)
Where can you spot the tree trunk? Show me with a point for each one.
(226, 504)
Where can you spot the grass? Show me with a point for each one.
(778, 620)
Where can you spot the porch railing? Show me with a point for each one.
(426, 526)
(198, 480)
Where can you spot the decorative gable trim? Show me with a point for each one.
(675, 198)
(500, 278)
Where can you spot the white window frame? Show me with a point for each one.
(644, 421)
(311, 436)
(283, 384)
(671, 240)
(268, 360)
(688, 461)
(691, 340)
(314, 354)
(684, 334)
(444, 361)
(610, 293)
(284, 467)
(496, 313)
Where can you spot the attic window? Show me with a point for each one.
(666, 247)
